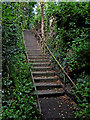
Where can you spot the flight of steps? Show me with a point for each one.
(49, 88)
(46, 82)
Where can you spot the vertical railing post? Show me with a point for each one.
(64, 81)
(44, 49)
(44, 46)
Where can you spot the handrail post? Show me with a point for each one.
(64, 81)
(44, 46)
(44, 49)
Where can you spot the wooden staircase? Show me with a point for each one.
(46, 82)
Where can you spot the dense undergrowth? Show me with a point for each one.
(67, 33)
(17, 87)
(66, 26)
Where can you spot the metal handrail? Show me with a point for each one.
(44, 42)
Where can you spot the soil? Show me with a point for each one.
(57, 108)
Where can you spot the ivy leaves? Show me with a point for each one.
(18, 101)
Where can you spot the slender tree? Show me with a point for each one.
(42, 22)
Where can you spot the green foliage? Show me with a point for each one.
(79, 52)
(18, 100)
(35, 18)
(69, 32)
(83, 92)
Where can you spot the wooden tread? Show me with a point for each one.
(43, 73)
(56, 91)
(41, 68)
(45, 78)
(41, 64)
(47, 84)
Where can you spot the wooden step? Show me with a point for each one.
(41, 68)
(47, 85)
(38, 60)
(40, 64)
(34, 53)
(43, 73)
(33, 49)
(45, 79)
(51, 92)
(37, 57)
(34, 46)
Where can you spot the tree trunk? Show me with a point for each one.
(42, 22)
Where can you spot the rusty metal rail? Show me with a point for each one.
(45, 45)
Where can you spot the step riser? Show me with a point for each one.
(47, 87)
(37, 57)
(35, 61)
(34, 53)
(39, 65)
(29, 45)
(41, 69)
(43, 74)
(27, 48)
(45, 80)
(51, 95)
(33, 50)
(32, 47)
